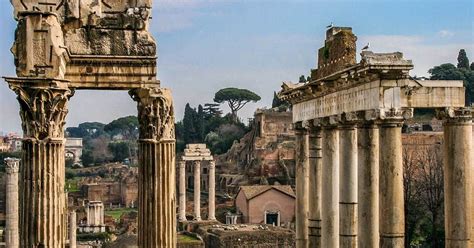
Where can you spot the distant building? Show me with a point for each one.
(74, 149)
(95, 218)
(266, 204)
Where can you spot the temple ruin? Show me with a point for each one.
(63, 46)
(196, 153)
(348, 121)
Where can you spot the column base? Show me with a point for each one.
(394, 241)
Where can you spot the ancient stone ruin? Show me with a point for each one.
(67, 45)
(349, 172)
(196, 153)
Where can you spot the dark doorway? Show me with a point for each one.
(272, 219)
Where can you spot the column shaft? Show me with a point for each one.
(157, 177)
(348, 186)
(368, 186)
(43, 110)
(458, 179)
(315, 177)
(197, 190)
(11, 203)
(182, 190)
(330, 194)
(156, 214)
(42, 200)
(392, 211)
(212, 190)
(302, 188)
(72, 229)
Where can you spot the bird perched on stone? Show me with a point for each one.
(329, 26)
(366, 47)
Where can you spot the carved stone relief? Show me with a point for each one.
(155, 113)
(43, 111)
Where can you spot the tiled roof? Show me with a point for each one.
(255, 190)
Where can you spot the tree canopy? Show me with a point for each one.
(236, 99)
(463, 61)
(127, 126)
(451, 72)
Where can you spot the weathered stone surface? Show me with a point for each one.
(12, 167)
(39, 47)
(157, 177)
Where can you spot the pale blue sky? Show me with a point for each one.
(207, 45)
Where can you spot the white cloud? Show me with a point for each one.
(445, 33)
(425, 51)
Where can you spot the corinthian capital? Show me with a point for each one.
(155, 113)
(43, 107)
(12, 165)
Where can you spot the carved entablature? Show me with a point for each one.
(39, 47)
(456, 115)
(43, 108)
(155, 113)
(87, 42)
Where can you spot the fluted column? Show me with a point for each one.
(330, 194)
(315, 177)
(43, 109)
(12, 167)
(368, 185)
(212, 190)
(72, 229)
(197, 190)
(182, 190)
(156, 178)
(458, 177)
(302, 187)
(392, 211)
(348, 186)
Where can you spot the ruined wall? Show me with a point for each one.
(338, 53)
(267, 151)
(251, 239)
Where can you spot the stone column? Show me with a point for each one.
(458, 177)
(315, 177)
(368, 185)
(392, 211)
(302, 187)
(182, 190)
(72, 229)
(197, 190)
(12, 167)
(330, 194)
(156, 179)
(212, 190)
(348, 186)
(43, 109)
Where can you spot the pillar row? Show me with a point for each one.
(368, 185)
(197, 190)
(458, 179)
(72, 229)
(330, 194)
(315, 177)
(182, 190)
(392, 212)
(348, 186)
(302, 188)
(43, 110)
(212, 190)
(12, 167)
(156, 178)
